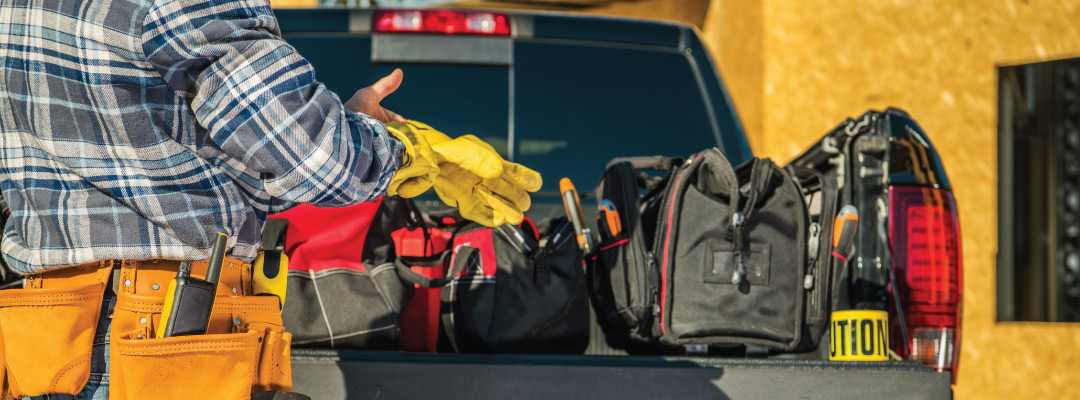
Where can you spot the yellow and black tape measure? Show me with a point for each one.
(271, 266)
(859, 335)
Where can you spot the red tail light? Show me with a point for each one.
(443, 22)
(925, 240)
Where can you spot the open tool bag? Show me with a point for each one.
(711, 254)
(343, 289)
(504, 290)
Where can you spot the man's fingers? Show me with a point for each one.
(387, 84)
(384, 115)
(381, 114)
(393, 116)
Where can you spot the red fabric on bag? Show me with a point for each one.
(420, 318)
(328, 238)
(419, 242)
(484, 241)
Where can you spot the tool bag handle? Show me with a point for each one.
(639, 164)
(406, 273)
(717, 175)
(659, 163)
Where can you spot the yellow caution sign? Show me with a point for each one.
(859, 335)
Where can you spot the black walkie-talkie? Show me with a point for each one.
(189, 301)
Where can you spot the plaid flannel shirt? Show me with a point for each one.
(135, 129)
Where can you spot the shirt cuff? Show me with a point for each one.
(387, 151)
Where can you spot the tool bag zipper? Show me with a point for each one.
(664, 245)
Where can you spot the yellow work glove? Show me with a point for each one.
(420, 164)
(467, 173)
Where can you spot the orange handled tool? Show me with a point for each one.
(845, 227)
(611, 217)
(572, 206)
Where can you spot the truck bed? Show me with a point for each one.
(334, 374)
(603, 373)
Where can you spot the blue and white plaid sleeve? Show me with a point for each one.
(257, 99)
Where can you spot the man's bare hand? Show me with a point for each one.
(367, 100)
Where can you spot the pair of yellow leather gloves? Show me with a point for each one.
(466, 172)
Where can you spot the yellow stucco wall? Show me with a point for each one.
(823, 60)
(734, 32)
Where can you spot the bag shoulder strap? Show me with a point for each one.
(466, 256)
(406, 273)
(448, 297)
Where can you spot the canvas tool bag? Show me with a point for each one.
(343, 288)
(712, 254)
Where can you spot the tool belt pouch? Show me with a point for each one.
(246, 349)
(48, 330)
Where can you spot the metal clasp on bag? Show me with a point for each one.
(856, 127)
(32, 282)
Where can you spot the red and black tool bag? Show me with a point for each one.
(343, 288)
(504, 292)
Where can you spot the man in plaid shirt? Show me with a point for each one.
(135, 129)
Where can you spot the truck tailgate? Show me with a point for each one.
(327, 374)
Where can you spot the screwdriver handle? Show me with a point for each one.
(217, 257)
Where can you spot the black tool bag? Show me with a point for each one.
(720, 255)
(623, 277)
(504, 292)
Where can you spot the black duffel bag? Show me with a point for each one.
(505, 293)
(712, 255)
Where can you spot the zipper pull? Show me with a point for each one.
(654, 291)
(815, 242)
(812, 248)
(740, 263)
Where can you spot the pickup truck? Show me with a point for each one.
(564, 94)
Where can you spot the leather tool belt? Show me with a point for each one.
(47, 330)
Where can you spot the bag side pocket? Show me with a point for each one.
(605, 274)
(48, 336)
(316, 315)
(218, 366)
